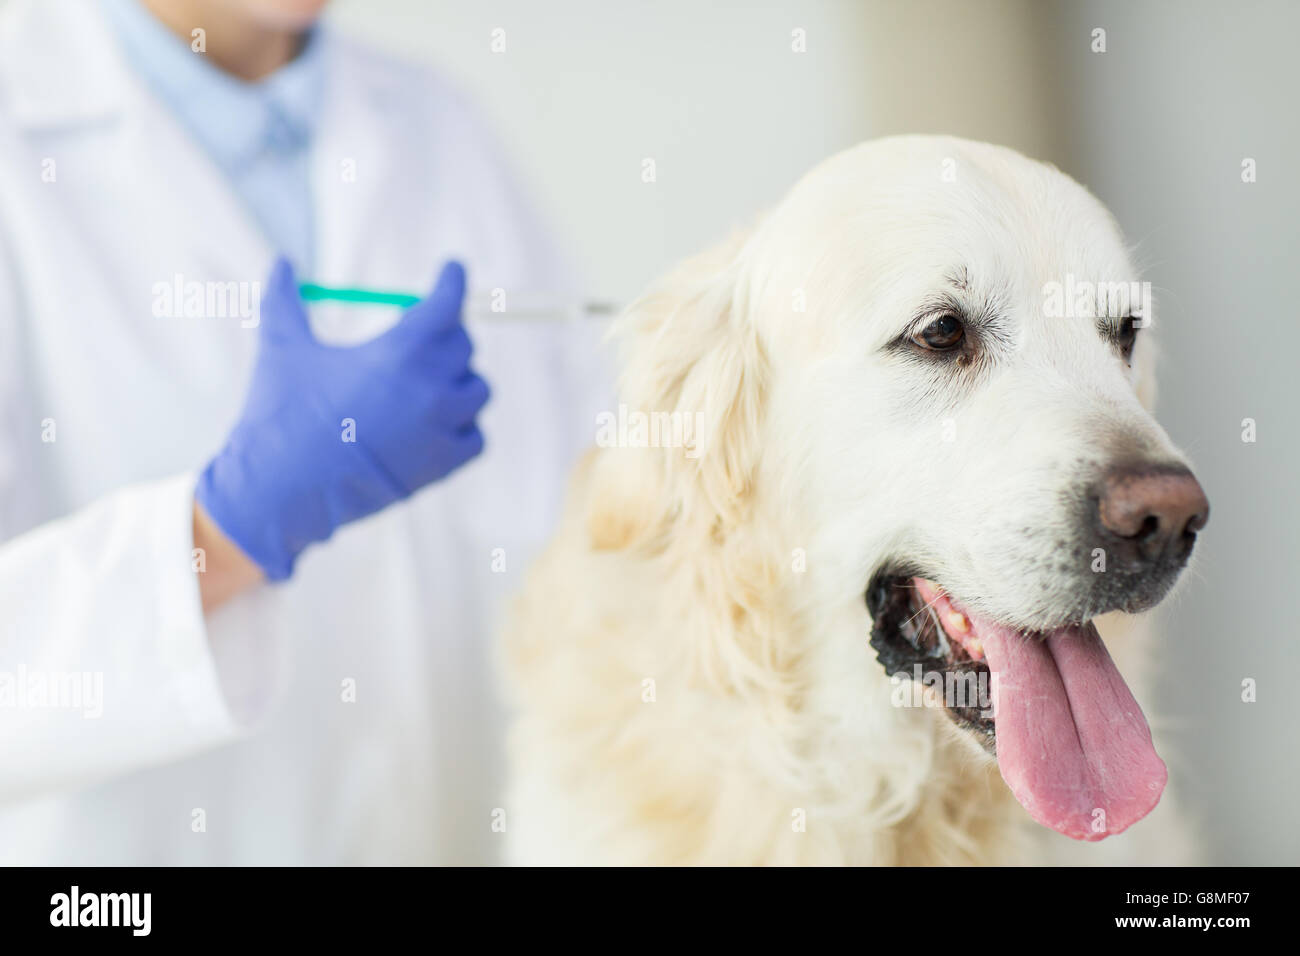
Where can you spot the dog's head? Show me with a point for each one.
(935, 353)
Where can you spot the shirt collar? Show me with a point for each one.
(235, 121)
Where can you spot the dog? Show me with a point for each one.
(845, 603)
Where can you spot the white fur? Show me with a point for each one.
(822, 446)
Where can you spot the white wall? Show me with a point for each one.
(589, 88)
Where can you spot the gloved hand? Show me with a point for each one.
(293, 470)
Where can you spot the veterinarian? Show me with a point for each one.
(253, 553)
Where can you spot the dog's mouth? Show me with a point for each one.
(912, 640)
(1070, 740)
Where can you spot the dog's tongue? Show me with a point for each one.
(1072, 743)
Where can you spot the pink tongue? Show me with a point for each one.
(1072, 743)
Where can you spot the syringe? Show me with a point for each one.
(476, 306)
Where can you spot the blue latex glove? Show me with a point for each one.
(288, 476)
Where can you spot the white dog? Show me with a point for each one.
(898, 428)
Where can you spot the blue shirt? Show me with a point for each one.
(258, 134)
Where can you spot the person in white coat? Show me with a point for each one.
(221, 640)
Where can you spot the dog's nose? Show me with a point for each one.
(1153, 512)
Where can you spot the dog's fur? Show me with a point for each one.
(689, 658)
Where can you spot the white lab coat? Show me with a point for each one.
(229, 739)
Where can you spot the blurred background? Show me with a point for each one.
(1158, 126)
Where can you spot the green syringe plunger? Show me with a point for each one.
(311, 292)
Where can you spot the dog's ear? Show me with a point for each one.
(694, 368)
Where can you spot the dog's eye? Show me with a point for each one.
(1128, 331)
(944, 333)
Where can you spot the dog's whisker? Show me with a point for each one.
(926, 606)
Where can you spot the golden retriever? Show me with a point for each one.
(830, 590)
